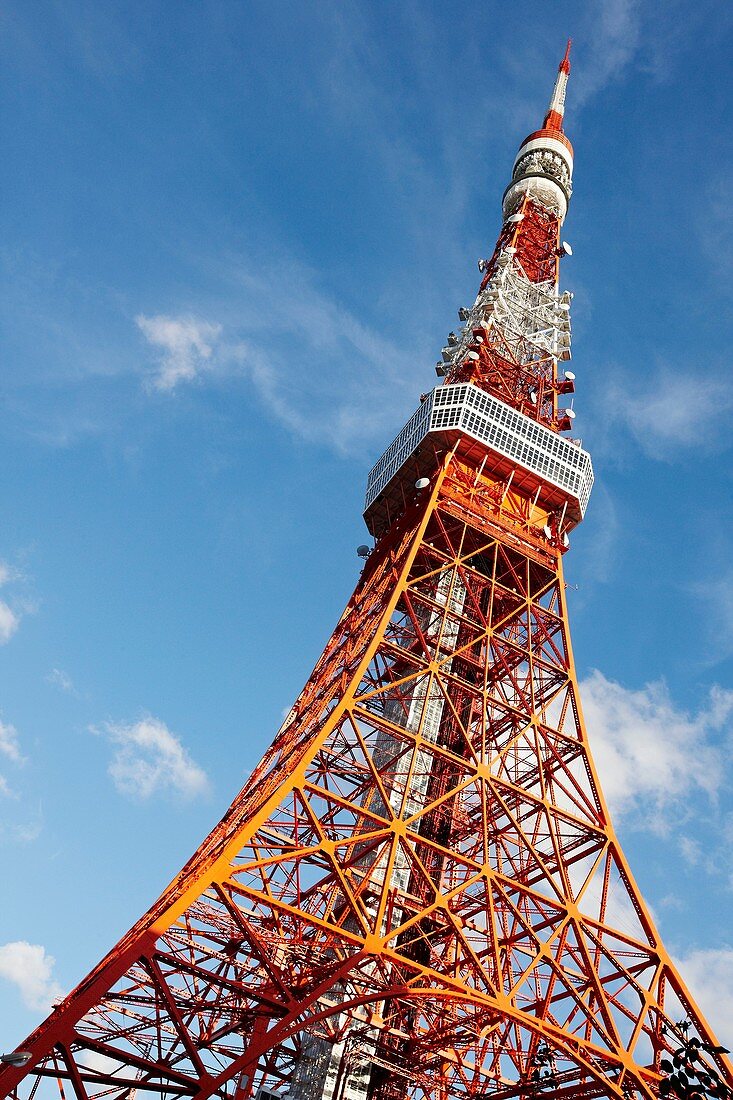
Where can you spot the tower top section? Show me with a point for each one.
(543, 168)
(504, 370)
(556, 110)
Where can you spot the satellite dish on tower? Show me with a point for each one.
(363, 551)
(422, 483)
(565, 249)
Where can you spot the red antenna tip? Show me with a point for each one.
(565, 63)
(553, 118)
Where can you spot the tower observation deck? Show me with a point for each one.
(419, 892)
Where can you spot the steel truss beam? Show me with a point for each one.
(442, 937)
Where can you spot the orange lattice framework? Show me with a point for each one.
(419, 893)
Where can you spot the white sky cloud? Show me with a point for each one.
(30, 969)
(709, 975)
(29, 831)
(9, 745)
(331, 389)
(713, 853)
(185, 346)
(9, 619)
(716, 229)
(651, 755)
(61, 680)
(10, 749)
(9, 622)
(335, 397)
(672, 410)
(614, 33)
(149, 758)
(715, 594)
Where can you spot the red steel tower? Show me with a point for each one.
(419, 892)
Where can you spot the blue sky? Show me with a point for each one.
(232, 239)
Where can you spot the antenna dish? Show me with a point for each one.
(515, 218)
(473, 355)
(482, 265)
(570, 413)
(565, 541)
(422, 483)
(565, 249)
(16, 1058)
(547, 531)
(363, 551)
(569, 374)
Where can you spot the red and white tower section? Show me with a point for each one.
(503, 368)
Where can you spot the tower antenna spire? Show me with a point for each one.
(556, 110)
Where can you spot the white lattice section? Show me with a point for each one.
(399, 450)
(527, 322)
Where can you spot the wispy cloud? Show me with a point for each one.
(312, 363)
(600, 538)
(671, 411)
(613, 36)
(9, 618)
(149, 758)
(30, 970)
(9, 744)
(28, 832)
(709, 974)
(332, 391)
(651, 755)
(10, 749)
(713, 854)
(715, 596)
(185, 347)
(9, 622)
(715, 221)
(60, 679)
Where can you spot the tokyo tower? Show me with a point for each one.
(419, 892)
